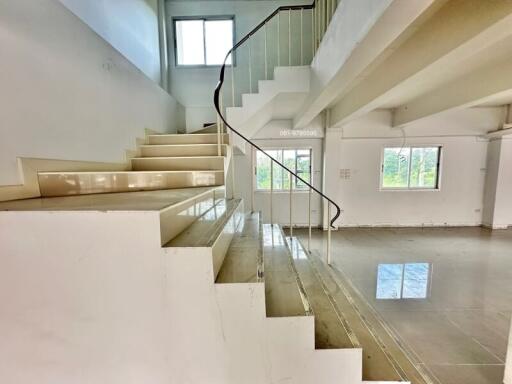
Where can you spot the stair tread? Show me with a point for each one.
(244, 254)
(282, 291)
(205, 230)
(180, 157)
(330, 329)
(123, 201)
(122, 172)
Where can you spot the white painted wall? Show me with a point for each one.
(130, 26)
(193, 87)
(276, 134)
(358, 147)
(67, 94)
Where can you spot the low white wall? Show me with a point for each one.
(508, 366)
(193, 87)
(67, 94)
(131, 26)
(358, 147)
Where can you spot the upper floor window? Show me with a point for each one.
(203, 41)
(410, 168)
(297, 160)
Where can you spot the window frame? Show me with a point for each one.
(437, 187)
(294, 189)
(403, 279)
(204, 19)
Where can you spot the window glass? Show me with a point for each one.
(203, 41)
(424, 167)
(411, 168)
(190, 42)
(219, 40)
(297, 160)
(403, 281)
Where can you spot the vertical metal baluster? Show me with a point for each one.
(232, 81)
(313, 37)
(266, 65)
(302, 36)
(309, 220)
(289, 37)
(271, 189)
(291, 188)
(232, 153)
(329, 233)
(252, 179)
(219, 126)
(278, 38)
(250, 64)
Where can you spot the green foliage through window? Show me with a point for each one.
(411, 168)
(297, 160)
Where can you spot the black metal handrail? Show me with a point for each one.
(216, 101)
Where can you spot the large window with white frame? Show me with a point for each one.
(297, 160)
(203, 41)
(411, 168)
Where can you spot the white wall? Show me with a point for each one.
(508, 366)
(193, 87)
(358, 147)
(66, 93)
(130, 26)
(276, 135)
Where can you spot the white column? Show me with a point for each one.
(497, 208)
(508, 367)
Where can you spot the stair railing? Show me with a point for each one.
(319, 13)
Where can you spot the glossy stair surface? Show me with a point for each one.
(195, 138)
(214, 229)
(283, 292)
(80, 183)
(244, 259)
(337, 308)
(196, 163)
(181, 150)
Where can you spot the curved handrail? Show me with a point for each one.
(216, 100)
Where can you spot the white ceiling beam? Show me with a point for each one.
(455, 32)
(478, 87)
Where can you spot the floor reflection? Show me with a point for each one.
(403, 281)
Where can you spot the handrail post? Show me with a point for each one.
(313, 33)
(289, 37)
(302, 36)
(266, 65)
(309, 220)
(232, 81)
(291, 208)
(250, 64)
(328, 233)
(278, 39)
(271, 189)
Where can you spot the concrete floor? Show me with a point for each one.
(447, 293)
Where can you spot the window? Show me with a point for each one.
(297, 160)
(403, 281)
(411, 168)
(203, 41)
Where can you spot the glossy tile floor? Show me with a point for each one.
(447, 293)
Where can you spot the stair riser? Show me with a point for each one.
(178, 150)
(186, 139)
(179, 164)
(177, 218)
(66, 184)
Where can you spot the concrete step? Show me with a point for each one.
(191, 138)
(181, 150)
(176, 209)
(81, 183)
(283, 292)
(244, 259)
(199, 163)
(214, 229)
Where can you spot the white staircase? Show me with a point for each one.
(277, 99)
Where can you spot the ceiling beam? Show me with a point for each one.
(455, 32)
(477, 87)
